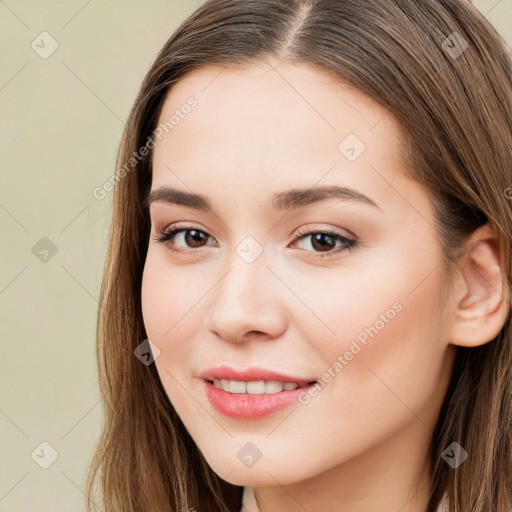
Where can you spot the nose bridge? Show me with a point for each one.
(247, 266)
(246, 299)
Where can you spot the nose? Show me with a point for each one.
(246, 303)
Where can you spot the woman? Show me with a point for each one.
(306, 301)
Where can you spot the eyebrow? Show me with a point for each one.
(287, 200)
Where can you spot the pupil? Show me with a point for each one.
(319, 238)
(194, 237)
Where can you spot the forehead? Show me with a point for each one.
(267, 125)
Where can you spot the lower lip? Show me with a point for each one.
(250, 407)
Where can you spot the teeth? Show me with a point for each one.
(273, 386)
(237, 386)
(259, 387)
(255, 388)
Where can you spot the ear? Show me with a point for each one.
(481, 294)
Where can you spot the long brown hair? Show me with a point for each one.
(444, 74)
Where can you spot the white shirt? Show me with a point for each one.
(249, 502)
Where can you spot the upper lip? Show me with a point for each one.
(251, 374)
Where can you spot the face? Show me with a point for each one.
(342, 286)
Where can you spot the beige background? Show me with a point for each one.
(62, 118)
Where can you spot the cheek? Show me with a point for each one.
(168, 297)
(378, 302)
(169, 302)
(387, 343)
(173, 301)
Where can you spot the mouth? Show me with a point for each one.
(258, 387)
(252, 400)
(253, 392)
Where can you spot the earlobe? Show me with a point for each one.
(481, 302)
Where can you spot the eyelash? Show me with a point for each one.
(170, 232)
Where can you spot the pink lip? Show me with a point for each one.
(250, 374)
(245, 405)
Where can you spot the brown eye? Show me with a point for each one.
(323, 242)
(182, 239)
(194, 238)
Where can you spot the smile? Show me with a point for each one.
(259, 387)
(248, 401)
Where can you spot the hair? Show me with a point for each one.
(454, 113)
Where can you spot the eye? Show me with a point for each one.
(325, 242)
(195, 238)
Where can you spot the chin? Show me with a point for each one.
(263, 473)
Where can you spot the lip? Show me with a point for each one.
(250, 407)
(247, 406)
(251, 374)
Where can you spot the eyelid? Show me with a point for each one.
(177, 227)
(335, 231)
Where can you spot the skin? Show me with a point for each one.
(361, 444)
